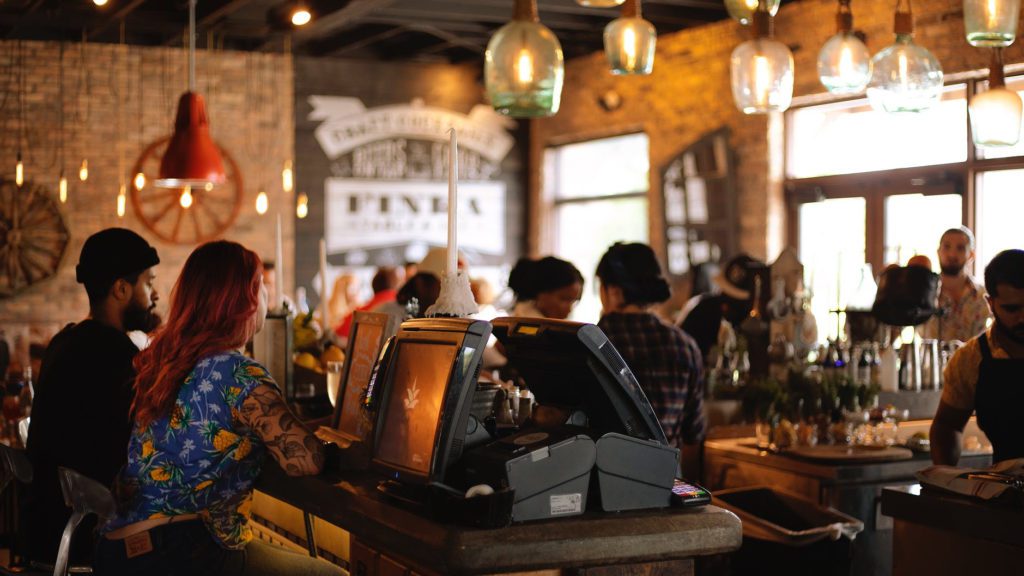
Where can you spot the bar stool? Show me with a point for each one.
(84, 496)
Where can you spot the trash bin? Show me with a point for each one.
(789, 535)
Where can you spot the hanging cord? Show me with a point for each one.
(60, 105)
(191, 45)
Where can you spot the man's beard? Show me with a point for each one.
(144, 319)
(1016, 333)
(951, 269)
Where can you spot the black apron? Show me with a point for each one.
(998, 401)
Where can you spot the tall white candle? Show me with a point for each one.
(324, 311)
(279, 269)
(453, 175)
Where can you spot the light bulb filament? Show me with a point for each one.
(762, 80)
(524, 67)
(62, 188)
(302, 208)
(262, 203)
(19, 173)
(83, 171)
(139, 181)
(904, 72)
(186, 198)
(629, 46)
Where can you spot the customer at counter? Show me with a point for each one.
(960, 297)
(986, 376)
(545, 288)
(717, 314)
(205, 415)
(80, 414)
(664, 359)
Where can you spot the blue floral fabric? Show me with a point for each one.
(201, 458)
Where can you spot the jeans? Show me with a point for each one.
(186, 549)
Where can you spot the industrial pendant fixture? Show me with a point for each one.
(991, 23)
(844, 63)
(742, 11)
(905, 77)
(191, 159)
(523, 66)
(996, 112)
(629, 41)
(762, 70)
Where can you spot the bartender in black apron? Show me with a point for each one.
(986, 376)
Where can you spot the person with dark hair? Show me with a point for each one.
(718, 313)
(80, 414)
(986, 375)
(385, 289)
(664, 359)
(961, 298)
(205, 415)
(546, 288)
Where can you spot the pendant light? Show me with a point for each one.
(844, 63)
(905, 77)
(996, 112)
(742, 11)
(600, 3)
(991, 23)
(523, 66)
(629, 41)
(191, 158)
(762, 70)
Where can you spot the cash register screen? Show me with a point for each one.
(363, 354)
(409, 424)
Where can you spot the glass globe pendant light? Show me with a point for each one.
(844, 63)
(996, 112)
(523, 66)
(991, 23)
(600, 3)
(742, 11)
(629, 41)
(905, 77)
(762, 70)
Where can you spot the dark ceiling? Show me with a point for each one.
(418, 30)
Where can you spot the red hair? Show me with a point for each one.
(213, 309)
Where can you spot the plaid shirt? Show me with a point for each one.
(668, 366)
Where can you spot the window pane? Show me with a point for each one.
(914, 223)
(603, 167)
(1000, 204)
(586, 230)
(1014, 83)
(832, 248)
(849, 137)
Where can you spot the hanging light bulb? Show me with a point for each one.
(121, 201)
(600, 3)
(762, 70)
(844, 63)
(996, 112)
(905, 77)
(62, 188)
(523, 66)
(991, 23)
(743, 10)
(100, 2)
(19, 171)
(301, 15)
(83, 170)
(287, 177)
(262, 203)
(186, 197)
(629, 41)
(139, 181)
(302, 207)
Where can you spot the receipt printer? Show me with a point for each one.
(549, 469)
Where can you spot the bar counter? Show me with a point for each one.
(667, 539)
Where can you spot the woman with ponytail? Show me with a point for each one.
(204, 416)
(546, 288)
(664, 359)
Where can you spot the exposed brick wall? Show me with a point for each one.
(688, 95)
(249, 102)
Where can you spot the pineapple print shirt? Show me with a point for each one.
(201, 459)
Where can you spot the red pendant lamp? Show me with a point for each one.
(191, 159)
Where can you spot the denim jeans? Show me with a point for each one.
(186, 549)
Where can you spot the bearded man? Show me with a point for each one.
(80, 414)
(961, 298)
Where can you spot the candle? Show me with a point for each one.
(324, 312)
(279, 269)
(453, 174)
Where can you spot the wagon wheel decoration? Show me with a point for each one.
(33, 237)
(212, 211)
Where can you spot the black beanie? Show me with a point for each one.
(114, 253)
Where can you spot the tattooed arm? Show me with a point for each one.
(296, 450)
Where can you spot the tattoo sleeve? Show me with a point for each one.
(294, 448)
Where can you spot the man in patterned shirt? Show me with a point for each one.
(961, 298)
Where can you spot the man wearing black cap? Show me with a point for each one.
(80, 415)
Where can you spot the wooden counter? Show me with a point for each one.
(938, 533)
(671, 536)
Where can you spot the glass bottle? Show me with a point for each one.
(991, 23)
(523, 66)
(844, 63)
(761, 71)
(905, 77)
(743, 10)
(996, 112)
(629, 41)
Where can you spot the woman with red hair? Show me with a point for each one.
(205, 414)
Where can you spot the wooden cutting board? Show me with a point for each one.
(848, 454)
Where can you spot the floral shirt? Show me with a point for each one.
(201, 458)
(964, 319)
